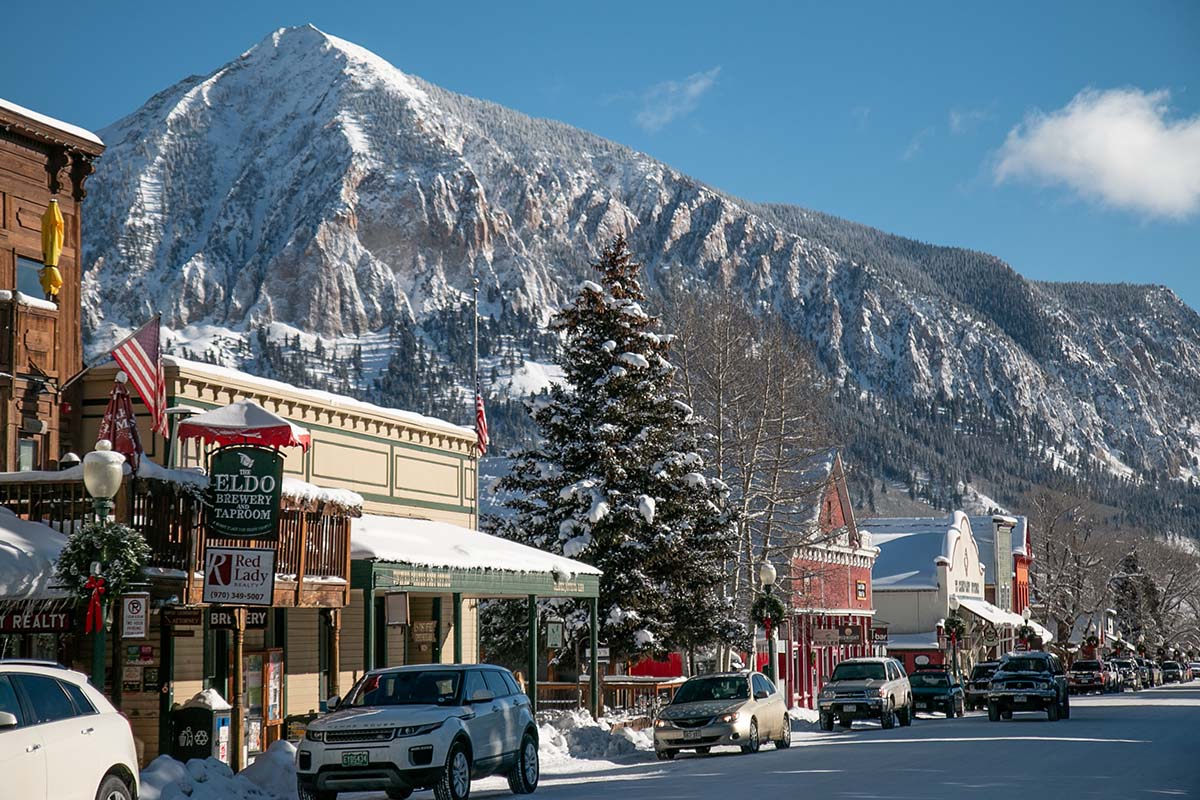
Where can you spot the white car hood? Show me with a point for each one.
(370, 717)
(703, 708)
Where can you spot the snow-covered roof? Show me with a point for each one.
(991, 613)
(50, 122)
(911, 548)
(428, 543)
(913, 641)
(28, 552)
(268, 385)
(1043, 632)
(984, 531)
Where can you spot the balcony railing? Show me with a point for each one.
(312, 544)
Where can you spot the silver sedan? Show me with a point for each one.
(742, 709)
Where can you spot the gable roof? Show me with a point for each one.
(912, 548)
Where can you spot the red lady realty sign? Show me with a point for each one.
(239, 576)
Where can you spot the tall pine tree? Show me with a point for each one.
(617, 481)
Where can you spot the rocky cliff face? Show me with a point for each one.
(309, 186)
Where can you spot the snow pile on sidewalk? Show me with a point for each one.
(804, 719)
(575, 735)
(271, 777)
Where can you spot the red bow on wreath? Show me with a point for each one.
(95, 612)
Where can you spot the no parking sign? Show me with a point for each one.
(135, 615)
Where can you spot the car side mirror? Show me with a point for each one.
(761, 694)
(7, 720)
(332, 703)
(482, 696)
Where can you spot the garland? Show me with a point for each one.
(767, 610)
(954, 627)
(1026, 633)
(1091, 641)
(119, 549)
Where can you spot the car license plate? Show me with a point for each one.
(849, 707)
(691, 735)
(1020, 698)
(356, 758)
(922, 705)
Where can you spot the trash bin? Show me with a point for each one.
(200, 728)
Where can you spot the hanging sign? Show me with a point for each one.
(879, 636)
(135, 615)
(224, 619)
(176, 616)
(554, 635)
(239, 576)
(35, 621)
(245, 483)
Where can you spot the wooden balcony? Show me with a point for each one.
(312, 556)
(28, 338)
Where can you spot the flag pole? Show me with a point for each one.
(475, 375)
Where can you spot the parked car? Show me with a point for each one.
(421, 727)
(1195, 670)
(1031, 681)
(1152, 671)
(1172, 672)
(1130, 675)
(935, 689)
(1089, 675)
(731, 708)
(978, 683)
(60, 739)
(866, 688)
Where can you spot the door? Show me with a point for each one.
(509, 711)
(68, 741)
(22, 754)
(486, 728)
(768, 709)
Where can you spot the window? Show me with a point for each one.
(711, 689)
(83, 706)
(50, 703)
(860, 590)
(474, 683)
(512, 684)
(28, 280)
(8, 699)
(27, 455)
(495, 683)
(426, 688)
(761, 684)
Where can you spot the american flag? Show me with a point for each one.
(481, 432)
(139, 356)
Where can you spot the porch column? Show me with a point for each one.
(531, 680)
(335, 652)
(594, 658)
(237, 723)
(369, 625)
(457, 601)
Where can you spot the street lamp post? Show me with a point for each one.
(1027, 615)
(766, 576)
(954, 604)
(103, 471)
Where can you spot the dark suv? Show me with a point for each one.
(1029, 682)
(977, 685)
(935, 689)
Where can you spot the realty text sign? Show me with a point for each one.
(239, 576)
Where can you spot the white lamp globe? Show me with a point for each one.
(103, 470)
(1026, 614)
(954, 602)
(766, 573)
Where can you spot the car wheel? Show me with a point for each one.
(664, 755)
(993, 712)
(455, 780)
(1052, 711)
(905, 716)
(113, 788)
(785, 736)
(523, 777)
(827, 722)
(887, 719)
(752, 742)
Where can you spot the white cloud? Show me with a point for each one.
(1117, 147)
(670, 100)
(964, 119)
(914, 146)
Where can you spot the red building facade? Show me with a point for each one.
(830, 586)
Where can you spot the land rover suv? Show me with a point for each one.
(866, 688)
(1029, 682)
(421, 727)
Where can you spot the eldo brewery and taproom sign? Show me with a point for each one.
(239, 576)
(245, 483)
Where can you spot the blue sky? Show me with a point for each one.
(1064, 137)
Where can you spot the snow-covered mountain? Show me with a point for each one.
(310, 187)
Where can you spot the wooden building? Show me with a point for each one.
(41, 159)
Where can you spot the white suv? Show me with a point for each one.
(422, 727)
(60, 739)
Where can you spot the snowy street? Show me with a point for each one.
(1127, 745)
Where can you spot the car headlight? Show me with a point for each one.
(416, 730)
(827, 694)
(881, 692)
(731, 717)
(662, 723)
(314, 736)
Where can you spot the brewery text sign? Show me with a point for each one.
(224, 619)
(239, 576)
(245, 483)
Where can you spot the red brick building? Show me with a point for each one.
(830, 584)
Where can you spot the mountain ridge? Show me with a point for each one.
(308, 188)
